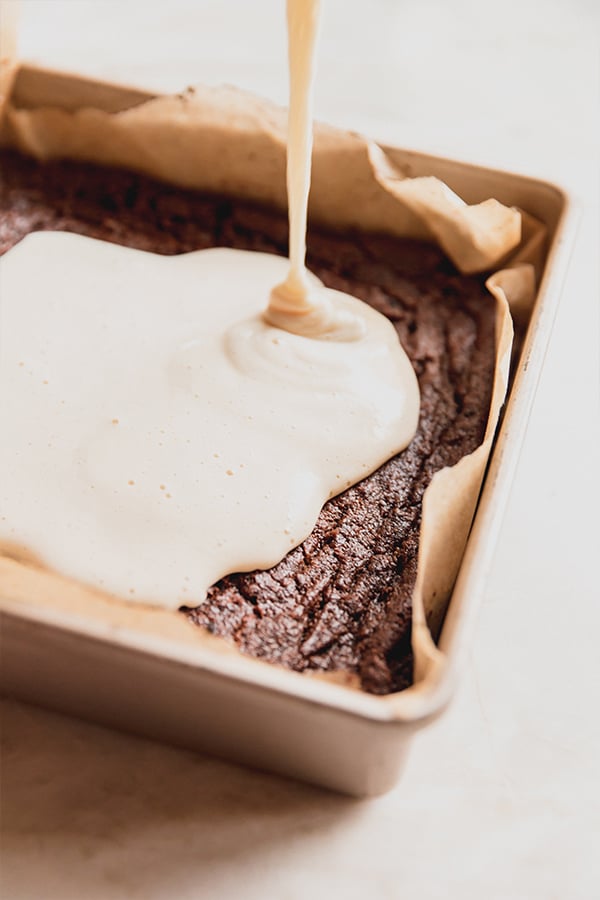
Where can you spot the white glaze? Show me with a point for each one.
(297, 305)
(168, 428)
(162, 433)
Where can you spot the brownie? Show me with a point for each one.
(342, 599)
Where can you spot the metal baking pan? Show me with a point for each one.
(236, 707)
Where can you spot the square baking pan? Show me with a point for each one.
(208, 698)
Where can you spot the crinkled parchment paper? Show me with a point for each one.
(227, 141)
(9, 12)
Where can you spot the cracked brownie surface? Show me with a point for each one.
(342, 599)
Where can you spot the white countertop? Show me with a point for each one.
(501, 796)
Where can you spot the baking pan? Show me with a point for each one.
(211, 699)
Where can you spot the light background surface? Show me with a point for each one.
(501, 797)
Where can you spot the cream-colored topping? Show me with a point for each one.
(297, 305)
(303, 25)
(162, 433)
(167, 429)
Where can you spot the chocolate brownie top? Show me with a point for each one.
(342, 599)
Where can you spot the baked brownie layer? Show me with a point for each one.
(342, 599)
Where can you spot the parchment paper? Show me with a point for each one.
(224, 140)
(9, 12)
